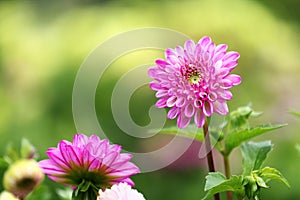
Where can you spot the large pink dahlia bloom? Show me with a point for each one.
(121, 191)
(88, 159)
(193, 81)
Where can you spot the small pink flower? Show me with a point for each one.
(193, 81)
(122, 191)
(88, 159)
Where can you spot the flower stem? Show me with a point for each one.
(209, 157)
(227, 174)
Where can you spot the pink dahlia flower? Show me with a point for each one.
(88, 159)
(121, 191)
(193, 81)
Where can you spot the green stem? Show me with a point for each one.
(227, 174)
(209, 157)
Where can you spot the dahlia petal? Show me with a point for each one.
(171, 101)
(179, 50)
(123, 158)
(221, 48)
(212, 96)
(189, 46)
(50, 167)
(183, 121)
(173, 112)
(152, 72)
(210, 49)
(231, 55)
(189, 110)
(207, 108)
(230, 64)
(170, 52)
(226, 95)
(180, 102)
(161, 93)
(198, 103)
(173, 59)
(199, 118)
(204, 41)
(57, 158)
(221, 107)
(161, 62)
(218, 56)
(161, 103)
(155, 85)
(95, 164)
(125, 180)
(226, 83)
(79, 140)
(235, 79)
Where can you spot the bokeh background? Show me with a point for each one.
(43, 43)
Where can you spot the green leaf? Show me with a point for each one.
(41, 192)
(11, 155)
(213, 179)
(236, 137)
(297, 146)
(269, 173)
(27, 149)
(191, 131)
(297, 114)
(216, 182)
(238, 119)
(3, 167)
(254, 154)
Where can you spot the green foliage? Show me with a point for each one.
(297, 114)
(254, 177)
(258, 179)
(269, 173)
(3, 167)
(237, 136)
(41, 192)
(254, 154)
(216, 182)
(238, 128)
(27, 149)
(85, 191)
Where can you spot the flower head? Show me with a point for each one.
(193, 81)
(88, 160)
(22, 177)
(121, 191)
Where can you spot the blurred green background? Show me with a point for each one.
(43, 43)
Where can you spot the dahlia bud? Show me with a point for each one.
(22, 177)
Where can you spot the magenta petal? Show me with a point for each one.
(171, 101)
(220, 107)
(155, 86)
(235, 79)
(183, 121)
(232, 55)
(226, 95)
(161, 62)
(204, 41)
(220, 48)
(161, 103)
(173, 112)
(199, 118)
(189, 110)
(207, 108)
(189, 46)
